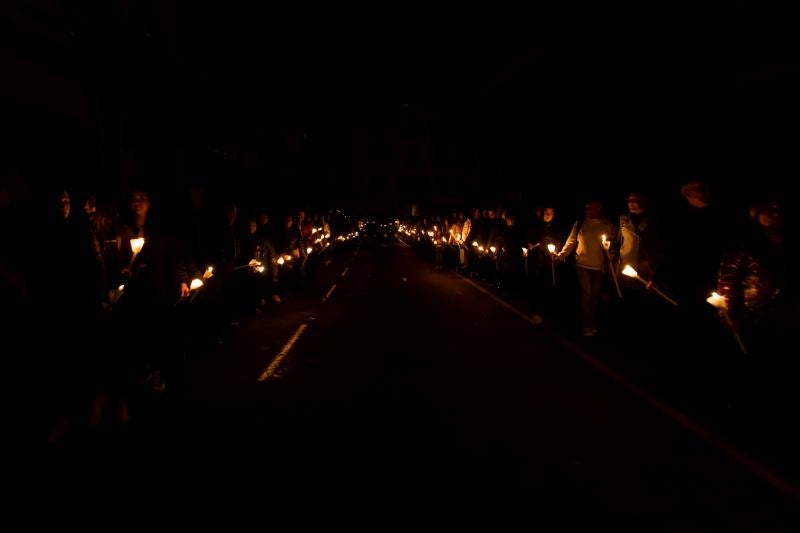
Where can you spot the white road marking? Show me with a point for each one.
(276, 361)
(327, 296)
(748, 462)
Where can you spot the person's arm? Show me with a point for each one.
(465, 231)
(616, 238)
(571, 244)
(730, 274)
(729, 285)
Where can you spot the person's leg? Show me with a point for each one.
(585, 298)
(596, 282)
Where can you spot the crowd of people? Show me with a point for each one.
(107, 301)
(703, 281)
(110, 300)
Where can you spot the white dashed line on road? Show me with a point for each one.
(276, 361)
(327, 296)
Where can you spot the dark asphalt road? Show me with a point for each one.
(412, 381)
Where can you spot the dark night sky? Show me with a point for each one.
(560, 102)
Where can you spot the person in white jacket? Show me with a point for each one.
(586, 240)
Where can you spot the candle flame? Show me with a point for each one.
(603, 238)
(309, 250)
(121, 288)
(493, 249)
(281, 261)
(551, 248)
(430, 234)
(480, 248)
(137, 245)
(196, 284)
(718, 301)
(630, 272)
(474, 243)
(313, 231)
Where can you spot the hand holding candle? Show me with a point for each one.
(721, 303)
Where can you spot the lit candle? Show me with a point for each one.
(718, 301)
(196, 284)
(114, 296)
(631, 273)
(721, 303)
(137, 245)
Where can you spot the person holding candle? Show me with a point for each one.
(540, 262)
(754, 282)
(585, 240)
(151, 286)
(640, 243)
